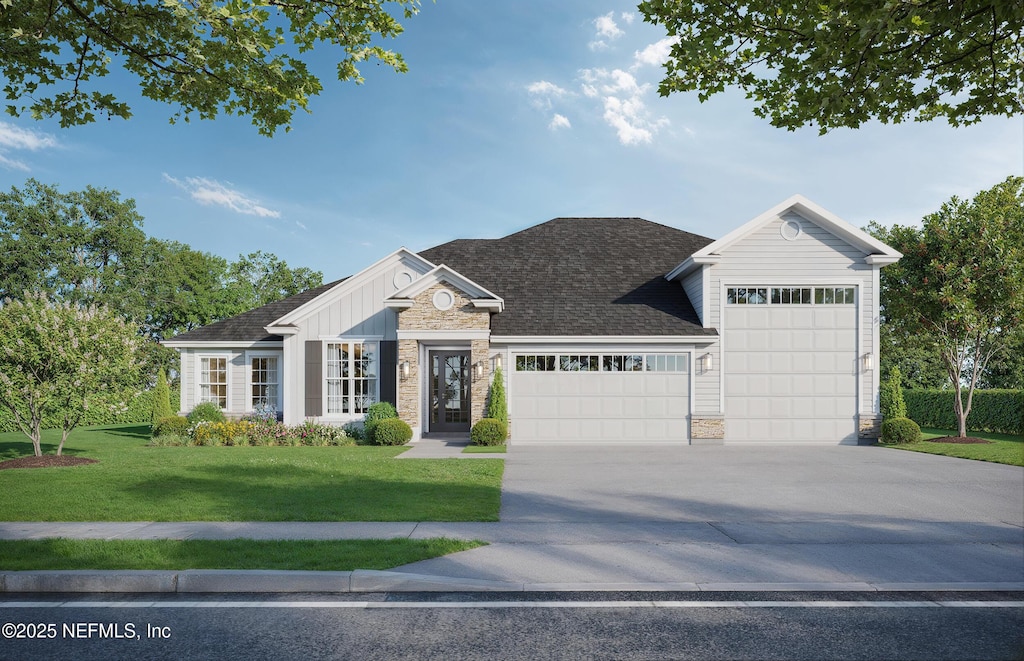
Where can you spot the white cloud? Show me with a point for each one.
(622, 101)
(211, 192)
(627, 17)
(607, 30)
(13, 138)
(559, 122)
(655, 54)
(543, 87)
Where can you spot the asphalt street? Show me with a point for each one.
(762, 625)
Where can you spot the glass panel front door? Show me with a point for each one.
(449, 391)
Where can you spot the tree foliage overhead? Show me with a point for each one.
(840, 64)
(960, 284)
(204, 56)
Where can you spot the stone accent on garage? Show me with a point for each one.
(463, 315)
(707, 429)
(870, 427)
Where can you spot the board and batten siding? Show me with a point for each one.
(817, 256)
(358, 313)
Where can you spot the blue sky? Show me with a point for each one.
(511, 114)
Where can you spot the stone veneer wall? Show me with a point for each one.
(707, 428)
(424, 316)
(870, 426)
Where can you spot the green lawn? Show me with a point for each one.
(134, 482)
(1004, 449)
(309, 555)
(484, 449)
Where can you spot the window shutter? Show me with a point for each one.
(389, 371)
(314, 378)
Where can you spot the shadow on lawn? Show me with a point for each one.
(292, 493)
(135, 431)
(16, 449)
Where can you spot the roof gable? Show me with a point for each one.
(876, 252)
(478, 295)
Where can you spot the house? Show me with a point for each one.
(607, 329)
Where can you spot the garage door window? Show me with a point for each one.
(652, 362)
(535, 363)
(628, 363)
(666, 362)
(579, 363)
(790, 295)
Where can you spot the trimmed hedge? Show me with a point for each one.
(489, 431)
(392, 431)
(1000, 411)
(139, 410)
(375, 414)
(176, 425)
(900, 430)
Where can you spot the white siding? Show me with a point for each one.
(358, 312)
(817, 256)
(693, 284)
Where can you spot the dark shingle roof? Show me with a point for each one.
(248, 326)
(582, 276)
(568, 276)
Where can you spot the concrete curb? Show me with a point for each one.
(364, 580)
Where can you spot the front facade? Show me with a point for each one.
(607, 330)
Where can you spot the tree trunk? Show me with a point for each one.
(961, 415)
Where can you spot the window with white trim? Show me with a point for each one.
(213, 380)
(265, 383)
(351, 377)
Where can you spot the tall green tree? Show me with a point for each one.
(960, 283)
(60, 359)
(260, 278)
(205, 57)
(79, 246)
(837, 64)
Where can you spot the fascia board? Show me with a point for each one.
(285, 329)
(492, 304)
(443, 272)
(882, 260)
(348, 285)
(692, 262)
(813, 212)
(211, 344)
(604, 339)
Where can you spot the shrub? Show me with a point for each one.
(354, 431)
(497, 407)
(1000, 411)
(206, 412)
(392, 431)
(170, 441)
(489, 431)
(900, 430)
(891, 396)
(374, 414)
(171, 425)
(161, 399)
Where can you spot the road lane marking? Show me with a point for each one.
(509, 604)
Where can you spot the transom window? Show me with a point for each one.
(265, 383)
(659, 362)
(213, 380)
(790, 295)
(351, 376)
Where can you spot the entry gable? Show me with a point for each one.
(478, 295)
(413, 269)
(875, 252)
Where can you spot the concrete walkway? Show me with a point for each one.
(445, 446)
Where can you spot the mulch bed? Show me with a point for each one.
(45, 461)
(944, 439)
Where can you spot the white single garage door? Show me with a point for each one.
(791, 373)
(611, 398)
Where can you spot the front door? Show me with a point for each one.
(449, 391)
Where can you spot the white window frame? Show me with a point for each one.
(198, 393)
(352, 414)
(249, 383)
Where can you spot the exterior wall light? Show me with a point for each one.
(705, 362)
(404, 370)
(868, 362)
(497, 362)
(478, 369)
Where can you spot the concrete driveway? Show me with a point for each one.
(746, 517)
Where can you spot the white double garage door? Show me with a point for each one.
(648, 403)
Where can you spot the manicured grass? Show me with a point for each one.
(484, 449)
(1004, 449)
(309, 555)
(133, 482)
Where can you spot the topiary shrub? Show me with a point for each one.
(497, 407)
(391, 431)
(206, 412)
(890, 395)
(900, 430)
(489, 431)
(172, 425)
(161, 399)
(374, 414)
